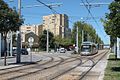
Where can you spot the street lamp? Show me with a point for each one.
(47, 40)
(77, 40)
(47, 45)
(82, 31)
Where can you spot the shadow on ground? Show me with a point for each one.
(26, 63)
(117, 69)
(113, 59)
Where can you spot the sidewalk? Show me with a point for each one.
(25, 60)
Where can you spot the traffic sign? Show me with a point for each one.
(30, 39)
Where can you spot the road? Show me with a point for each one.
(36, 56)
(57, 66)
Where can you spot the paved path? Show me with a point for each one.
(36, 56)
(11, 61)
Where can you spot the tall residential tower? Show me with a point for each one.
(57, 24)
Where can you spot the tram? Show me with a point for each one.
(88, 48)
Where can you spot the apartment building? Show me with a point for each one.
(57, 24)
(30, 31)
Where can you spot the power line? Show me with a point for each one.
(94, 4)
(90, 11)
(88, 8)
(48, 6)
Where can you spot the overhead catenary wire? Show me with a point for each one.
(53, 10)
(48, 6)
(93, 16)
(90, 12)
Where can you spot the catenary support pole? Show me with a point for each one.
(18, 60)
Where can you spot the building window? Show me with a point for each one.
(28, 30)
(28, 27)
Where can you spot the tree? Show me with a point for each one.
(74, 30)
(112, 21)
(89, 33)
(9, 21)
(62, 41)
(43, 40)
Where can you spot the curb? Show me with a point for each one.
(8, 57)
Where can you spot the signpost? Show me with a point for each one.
(30, 40)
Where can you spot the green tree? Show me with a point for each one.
(89, 33)
(74, 30)
(112, 21)
(9, 21)
(62, 41)
(43, 40)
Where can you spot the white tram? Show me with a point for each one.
(88, 48)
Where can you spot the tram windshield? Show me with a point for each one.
(85, 48)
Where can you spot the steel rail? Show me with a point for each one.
(39, 70)
(85, 73)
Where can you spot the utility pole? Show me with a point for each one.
(18, 60)
(82, 36)
(77, 40)
(50, 6)
(47, 46)
(11, 45)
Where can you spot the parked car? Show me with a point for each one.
(23, 52)
(62, 50)
(14, 52)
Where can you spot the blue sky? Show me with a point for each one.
(72, 8)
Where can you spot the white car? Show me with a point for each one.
(62, 50)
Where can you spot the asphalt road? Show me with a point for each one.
(36, 56)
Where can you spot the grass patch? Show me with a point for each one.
(112, 71)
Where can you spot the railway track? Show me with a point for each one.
(12, 72)
(54, 69)
(64, 70)
(95, 60)
(46, 69)
(61, 69)
(25, 70)
(85, 63)
(25, 66)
